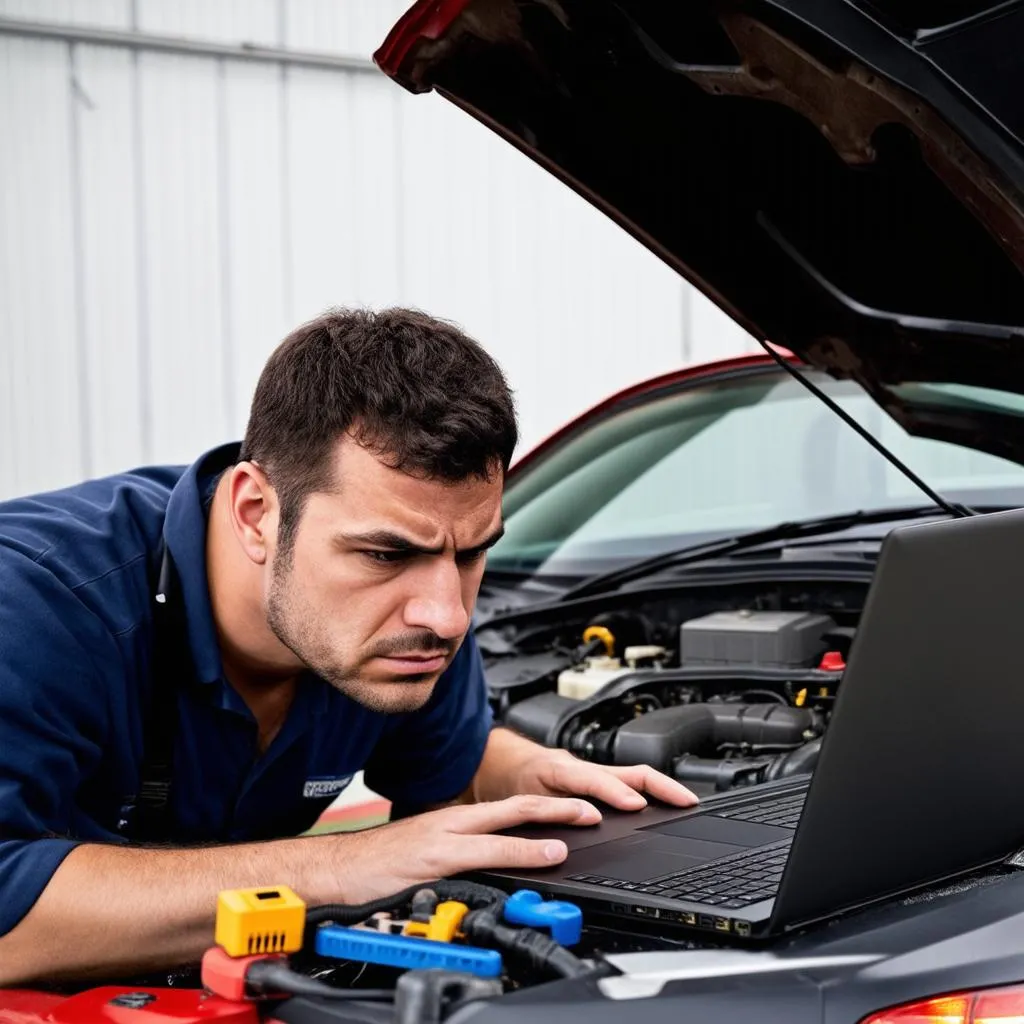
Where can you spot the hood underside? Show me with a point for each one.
(844, 180)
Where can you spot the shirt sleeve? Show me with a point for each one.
(51, 725)
(430, 756)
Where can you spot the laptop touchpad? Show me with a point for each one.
(645, 856)
(722, 830)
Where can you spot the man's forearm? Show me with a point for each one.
(112, 910)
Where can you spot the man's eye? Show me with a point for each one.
(386, 557)
(470, 557)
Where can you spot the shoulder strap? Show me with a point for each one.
(151, 818)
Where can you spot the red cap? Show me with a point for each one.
(832, 661)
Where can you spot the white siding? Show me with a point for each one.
(115, 14)
(256, 255)
(165, 219)
(39, 393)
(216, 21)
(353, 28)
(113, 299)
(179, 100)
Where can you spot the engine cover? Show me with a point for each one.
(778, 639)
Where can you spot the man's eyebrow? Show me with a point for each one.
(387, 539)
(489, 542)
(392, 541)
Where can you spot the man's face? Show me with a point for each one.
(377, 593)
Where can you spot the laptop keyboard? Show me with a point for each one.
(732, 882)
(785, 812)
(739, 880)
(736, 881)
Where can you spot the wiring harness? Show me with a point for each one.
(450, 938)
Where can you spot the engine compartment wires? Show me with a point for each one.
(453, 942)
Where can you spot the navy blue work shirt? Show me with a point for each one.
(76, 652)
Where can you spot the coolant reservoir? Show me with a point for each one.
(582, 681)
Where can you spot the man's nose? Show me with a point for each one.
(437, 604)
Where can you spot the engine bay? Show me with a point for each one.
(717, 693)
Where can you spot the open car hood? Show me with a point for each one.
(845, 179)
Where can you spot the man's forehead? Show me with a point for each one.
(366, 490)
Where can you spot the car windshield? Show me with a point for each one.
(744, 452)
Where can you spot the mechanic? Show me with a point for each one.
(195, 661)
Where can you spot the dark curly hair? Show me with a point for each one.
(414, 390)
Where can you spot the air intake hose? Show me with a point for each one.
(659, 737)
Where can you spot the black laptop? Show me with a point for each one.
(917, 779)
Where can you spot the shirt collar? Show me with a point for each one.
(185, 537)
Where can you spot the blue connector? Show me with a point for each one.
(564, 920)
(405, 952)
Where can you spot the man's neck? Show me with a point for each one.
(253, 658)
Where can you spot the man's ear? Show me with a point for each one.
(252, 506)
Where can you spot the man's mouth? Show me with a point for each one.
(415, 664)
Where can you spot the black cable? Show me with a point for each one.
(957, 511)
(430, 996)
(474, 895)
(354, 913)
(777, 697)
(268, 977)
(535, 948)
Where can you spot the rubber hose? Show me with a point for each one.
(803, 759)
(540, 951)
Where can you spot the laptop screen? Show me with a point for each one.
(918, 775)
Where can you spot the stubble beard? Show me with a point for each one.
(296, 628)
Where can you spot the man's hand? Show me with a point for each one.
(452, 840)
(513, 764)
(106, 914)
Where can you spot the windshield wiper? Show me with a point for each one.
(740, 542)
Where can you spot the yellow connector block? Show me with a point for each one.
(265, 920)
(443, 924)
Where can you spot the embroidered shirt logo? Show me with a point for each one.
(320, 787)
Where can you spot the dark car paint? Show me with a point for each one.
(837, 192)
(961, 937)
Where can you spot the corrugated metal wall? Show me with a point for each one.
(165, 217)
